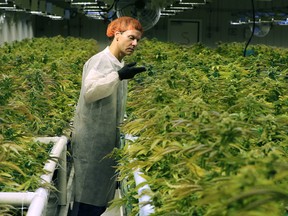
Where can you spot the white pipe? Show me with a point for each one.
(37, 200)
(52, 163)
(38, 203)
(62, 178)
(47, 140)
(41, 198)
(65, 208)
(16, 198)
(145, 208)
(144, 199)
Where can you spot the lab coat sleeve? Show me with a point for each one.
(99, 85)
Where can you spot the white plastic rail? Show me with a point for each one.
(37, 200)
(144, 200)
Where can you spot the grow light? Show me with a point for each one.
(95, 14)
(7, 7)
(166, 14)
(236, 22)
(36, 13)
(263, 17)
(181, 2)
(172, 10)
(12, 8)
(181, 7)
(272, 21)
(184, 5)
(91, 10)
(84, 2)
(92, 7)
(192, 2)
(87, 9)
(3, 2)
(282, 22)
(54, 17)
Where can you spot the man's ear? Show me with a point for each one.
(117, 35)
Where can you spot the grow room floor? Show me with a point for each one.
(53, 210)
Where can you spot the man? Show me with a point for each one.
(99, 112)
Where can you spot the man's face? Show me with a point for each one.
(128, 41)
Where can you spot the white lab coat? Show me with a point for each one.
(99, 112)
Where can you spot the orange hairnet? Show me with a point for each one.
(122, 24)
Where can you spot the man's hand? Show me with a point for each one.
(129, 71)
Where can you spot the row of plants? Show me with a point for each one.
(211, 128)
(39, 85)
(211, 124)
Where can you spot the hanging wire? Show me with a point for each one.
(253, 28)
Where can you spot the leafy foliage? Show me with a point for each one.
(39, 85)
(211, 127)
(41, 82)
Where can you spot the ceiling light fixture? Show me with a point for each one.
(83, 2)
(180, 8)
(3, 2)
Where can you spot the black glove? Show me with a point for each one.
(129, 71)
